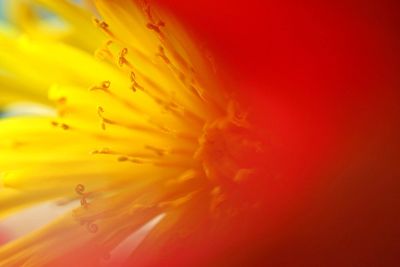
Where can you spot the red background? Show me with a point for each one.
(322, 77)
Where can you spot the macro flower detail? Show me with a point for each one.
(139, 127)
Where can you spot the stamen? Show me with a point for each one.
(147, 10)
(104, 86)
(132, 160)
(181, 76)
(134, 85)
(104, 150)
(242, 175)
(121, 59)
(63, 126)
(103, 26)
(122, 158)
(80, 190)
(152, 24)
(154, 27)
(100, 112)
(186, 176)
(61, 109)
(92, 227)
(159, 151)
(161, 53)
(176, 202)
(103, 52)
(217, 198)
(134, 127)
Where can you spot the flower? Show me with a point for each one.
(283, 153)
(142, 129)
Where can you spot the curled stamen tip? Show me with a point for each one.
(100, 110)
(84, 202)
(122, 60)
(124, 52)
(106, 84)
(92, 227)
(80, 188)
(54, 123)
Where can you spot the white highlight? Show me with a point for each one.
(121, 253)
(31, 219)
(27, 109)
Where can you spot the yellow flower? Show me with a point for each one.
(142, 128)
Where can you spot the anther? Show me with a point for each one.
(104, 150)
(84, 202)
(61, 125)
(80, 189)
(161, 53)
(92, 227)
(136, 161)
(65, 126)
(103, 52)
(104, 86)
(154, 27)
(101, 24)
(122, 60)
(100, 112)
(122, 158)
(160, 152)
(127, 159)
(62, 100)
(135, 85)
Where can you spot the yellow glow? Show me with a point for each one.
(130, 140)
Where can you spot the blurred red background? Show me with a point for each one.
(322, 79)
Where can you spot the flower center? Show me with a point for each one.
(227, 148)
